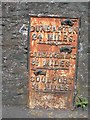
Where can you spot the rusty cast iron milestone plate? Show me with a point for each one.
(52, 63)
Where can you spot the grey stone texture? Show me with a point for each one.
(0, 60)
(15, 44)
(23, 112)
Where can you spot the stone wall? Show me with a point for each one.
(15, 44)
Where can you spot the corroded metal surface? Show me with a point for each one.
(53, 51)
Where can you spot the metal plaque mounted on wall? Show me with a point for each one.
(53, 43)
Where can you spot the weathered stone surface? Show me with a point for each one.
(14, 15)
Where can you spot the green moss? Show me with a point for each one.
(81, 102)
